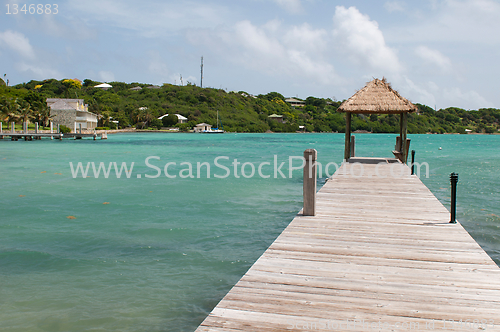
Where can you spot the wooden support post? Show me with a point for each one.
(51, 129)
(58, 129)
(36, 127)
(353, 143)
(347, 151)
(412, 162)
(13, 127)
(80, 127)
(1, 129)
(309, 186)
(403, 137)
(401, 126)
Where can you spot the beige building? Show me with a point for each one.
(277, 118)
(295, 102)
(71, 113)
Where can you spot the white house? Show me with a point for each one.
(202, 127)
(104, 86)
(180, 118)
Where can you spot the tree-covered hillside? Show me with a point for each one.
(238, 111)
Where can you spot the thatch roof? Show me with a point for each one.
(377, 97)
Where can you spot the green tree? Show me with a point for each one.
(170, 120)
(157, 123)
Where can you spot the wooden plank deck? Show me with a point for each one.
(380, 254)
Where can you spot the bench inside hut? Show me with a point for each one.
(398, 150)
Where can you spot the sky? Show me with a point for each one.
(441, 53)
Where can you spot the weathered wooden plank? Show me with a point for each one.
(379, 250)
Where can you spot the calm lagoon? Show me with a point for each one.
(154, 253)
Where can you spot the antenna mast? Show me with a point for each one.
(201, 80)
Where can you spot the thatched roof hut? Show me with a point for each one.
(378, 97)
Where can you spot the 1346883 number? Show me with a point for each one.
(47, 9)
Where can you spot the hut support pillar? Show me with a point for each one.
(404, 131)
(401, 125)
(347, 151)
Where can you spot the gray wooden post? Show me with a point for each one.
(80, 127)
(309, 186)
(403, 138)
(36, 127)
(353, 140)
(24, 128)
(58, 129)
(51, 127)
(347, 151)
(13, 127)
(1, 129)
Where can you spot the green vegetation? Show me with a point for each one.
(238, 111)
(63, 129)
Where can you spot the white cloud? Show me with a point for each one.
(394, 6)
(453, 21)
(305, 37)
(151, 18)
(292, 6)
(469, 99)
(37, 71)
(106, 76)
(419, 94)
(434, 58)
(363, 42)
(157, 66)
(297, 52)
(17, 42)
(432, 94)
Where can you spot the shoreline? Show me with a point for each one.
(128, 130)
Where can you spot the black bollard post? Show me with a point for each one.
(412, 162)
(453, 180)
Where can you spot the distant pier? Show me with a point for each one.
(380, 254)
(33, 136)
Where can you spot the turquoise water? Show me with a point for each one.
(164, 250)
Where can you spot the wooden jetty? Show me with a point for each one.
(379, 254)
(37, 136)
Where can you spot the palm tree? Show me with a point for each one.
(24, 112)
(4, 108)
(8, 109)
(146, 115)
(42, 113)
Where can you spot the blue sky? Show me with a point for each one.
(438, 52)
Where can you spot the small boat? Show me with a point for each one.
(215, 130)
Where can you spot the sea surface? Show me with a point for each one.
(157, 253)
